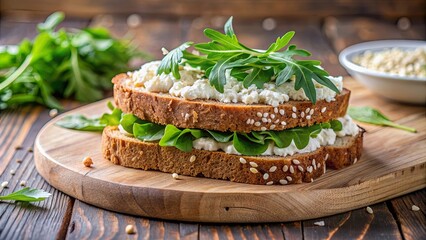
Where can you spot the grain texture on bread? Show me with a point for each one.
(131, 152)
(213, 115)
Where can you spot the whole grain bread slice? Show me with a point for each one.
(165, 109)
(131, 152)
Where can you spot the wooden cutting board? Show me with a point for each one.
(393, 164)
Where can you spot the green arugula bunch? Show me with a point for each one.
(254, 143)
(63, 63)
(225, 53)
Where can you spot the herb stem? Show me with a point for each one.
(402, 127)
(16, 73)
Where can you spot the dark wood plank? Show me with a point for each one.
(89, 222)
(357, 224)
(236, 231)
(345, 31)
(412, 223)
(292, 230)
(243, 8)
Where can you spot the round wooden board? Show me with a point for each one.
(59, 153)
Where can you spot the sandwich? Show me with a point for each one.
(226, 111)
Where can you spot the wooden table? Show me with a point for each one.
(61, 216)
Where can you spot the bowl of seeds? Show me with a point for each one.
(394, 69)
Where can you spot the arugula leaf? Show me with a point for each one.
(373, 116)
(336, 125)
(228, 28)
(127, 120)
(80, 122)
(221, 136)
(258, 77)
(111, 119)
(27, 195)
(148, 131)
(171, 62)
(246, 147)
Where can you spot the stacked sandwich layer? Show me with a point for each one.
(273, 135)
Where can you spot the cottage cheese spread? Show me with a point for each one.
(193, 86)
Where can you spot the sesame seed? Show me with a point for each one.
(265, 115)
(275, 110)
(325, 168)
(369, 210)
(53, 112)
(272, 116)
(269, 120)
(253, 164)
(291, 169)
(293, 115)
(283, 182)
(415, 208)
(313, 164)
(302, 114)
(252, 122)
(259, 114)
(300, 168)
(312, 180)
(23, 183)
(242, 160)
(355, 160)
(308, 117)
(264, 120)
(270, 183)
(295, 161)
(175, 176)
(253, 170)
(272, 126)
(257, 124)
(273, 169)
(263, 128)
(311, 112)
(318, 165)
(265, 176)
(283, 123)
(323, 109)
(187, 116)
(309, 169)
(320, 223)
(294, 109)
(248, 121)
(130, 229)
(285, 168)
(307, 110)
(12, 172)
(289, 178)
(4, 184)
(326, 157)
(282, 112)
(277, 121)
(192, 158)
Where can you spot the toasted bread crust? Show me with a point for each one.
(131, 152)
(213, 115)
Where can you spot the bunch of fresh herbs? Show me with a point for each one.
(66, 63)
(225, 53)
(26, 195)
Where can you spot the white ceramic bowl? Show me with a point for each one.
(400, 88)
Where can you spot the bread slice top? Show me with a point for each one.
(162, 108)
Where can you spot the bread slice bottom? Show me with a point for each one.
(131, 152)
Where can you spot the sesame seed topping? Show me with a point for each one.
(175, 176)
(313, 164)
(263, 128)
(270, 183)
(272, 116)
(248, 121)
(325, 168)
(4, 184)
(252, 121)
(272, 126)
(282, 112)
(300, 168)
(312, 180)
(293, 115)
(289, 178)
(187, 116)
(295, 161)
(257, 124)
(294, 109)
(265, 115)
(265, 176)
(323, 109)
(253, 164)
(192, 158)
(253, 170)
(318, 165)
(277, 121)
(326, 157)
(283, 182)
(311, 112)
(309, 169)
(369, 210)
(355, 160)
(307, 110)
(320, 223)
(259, 114)
(275, 110)
(308, 117)
(273, 169)
(264, 120)
(291, 169)
(285, 168)
(283, 123)
(415, 208)
(269, 120)
(242, 160)
(302, 114)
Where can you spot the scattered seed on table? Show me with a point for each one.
(415, 208)
(87, 161)
(19, 160)
(320, 223)
(130, 229)
(53, 112)
(23, 183)
(4, 184)
(17, 147)
(175, 176)
(369, 210)
(30, 149)
(12, 172)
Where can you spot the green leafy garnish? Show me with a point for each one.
(61, 63)
(225, 53)
(27, 195)
(373, 116)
